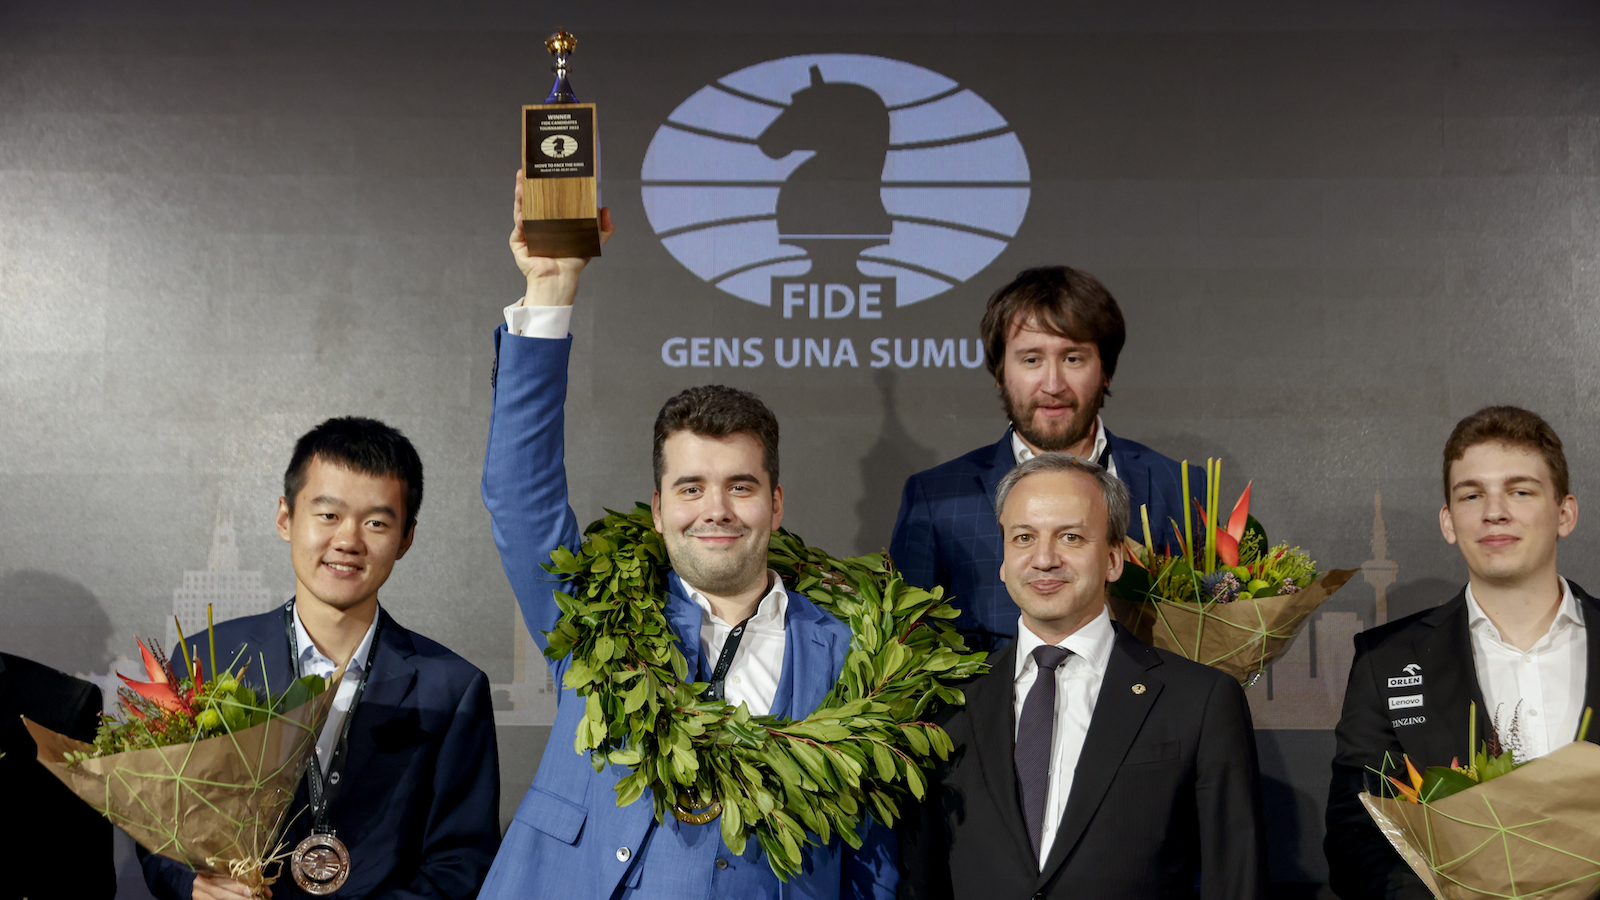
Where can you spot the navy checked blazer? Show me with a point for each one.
(946, 533)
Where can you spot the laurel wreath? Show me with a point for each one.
(787, 783)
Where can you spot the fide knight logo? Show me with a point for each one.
(558, 146)
(876, 177)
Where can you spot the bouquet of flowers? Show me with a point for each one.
(1233, 601)
(1495, 827)
(198, 770)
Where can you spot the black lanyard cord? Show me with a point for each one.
(318, 786)
(719, 673)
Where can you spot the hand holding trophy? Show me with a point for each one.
(560, 206)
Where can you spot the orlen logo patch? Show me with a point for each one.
(835, 185)
(1406, 681)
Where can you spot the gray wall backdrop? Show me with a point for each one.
(1334, 229)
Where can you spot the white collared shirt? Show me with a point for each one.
(752, 677)
(1023, 452)
(1547, 680)
(1077, 687)
(312, 662)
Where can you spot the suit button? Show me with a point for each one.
(623, 853)
(722, 863)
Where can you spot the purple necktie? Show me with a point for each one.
(1035, 728)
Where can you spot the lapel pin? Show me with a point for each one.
(1139, 689)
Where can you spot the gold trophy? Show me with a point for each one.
(560, 167)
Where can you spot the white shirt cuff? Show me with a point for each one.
(550, 322)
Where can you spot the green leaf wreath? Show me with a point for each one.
(788, 783)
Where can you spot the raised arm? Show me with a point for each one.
(524, 470)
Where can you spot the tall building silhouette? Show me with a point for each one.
(530, 697)
(1380, 571)
(1304, 688)
(229, 592)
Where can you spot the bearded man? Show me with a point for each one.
(1051, 339)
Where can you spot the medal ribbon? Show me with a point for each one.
(317, 784)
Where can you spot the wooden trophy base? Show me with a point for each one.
(560, 184)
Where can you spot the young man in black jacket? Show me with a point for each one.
(1513, 641)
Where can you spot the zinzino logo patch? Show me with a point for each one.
(1406, 702)
(1406, 681)
(1409, 720)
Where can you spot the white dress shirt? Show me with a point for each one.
(752, 677)
(1077, 686)
(538, 321)
(312, 662)
(1023, 452)
(1548, 680)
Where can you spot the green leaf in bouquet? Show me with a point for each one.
(1439, 782)
(1134, 585)
(300, 691)
(1254, 543)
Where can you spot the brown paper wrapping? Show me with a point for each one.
(1533, 832)
(1240, 637)
(216, 805)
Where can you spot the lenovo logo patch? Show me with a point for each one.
(1407, 702)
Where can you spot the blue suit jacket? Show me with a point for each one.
(947, 535)
(569, 838)
(419, 803)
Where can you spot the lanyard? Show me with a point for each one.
(317, 784)
(725, 660)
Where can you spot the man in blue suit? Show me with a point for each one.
(406, 764)
(1051, 340)
(716, 502)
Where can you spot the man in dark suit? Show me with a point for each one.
(407, 763)
(1087, 764)
(1513, 641)
(51, 843)
(1051, 340)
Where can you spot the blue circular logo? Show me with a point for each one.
(835, 162)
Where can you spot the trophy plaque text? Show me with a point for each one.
(560, 167)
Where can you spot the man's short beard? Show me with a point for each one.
(714, 574)
(1081, 426)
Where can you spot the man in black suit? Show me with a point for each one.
(51, 843)
(1087, 764)
(1513, 641)
(406, 764)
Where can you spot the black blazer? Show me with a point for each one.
(51, 843)
(1167, 784)
(1427, 654)
(419, 803)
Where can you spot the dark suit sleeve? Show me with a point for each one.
(1233, 838)
(924, 857)
(463, 827)
(166, 879)
(913, 546)
(524, 471)
(1361, 863)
